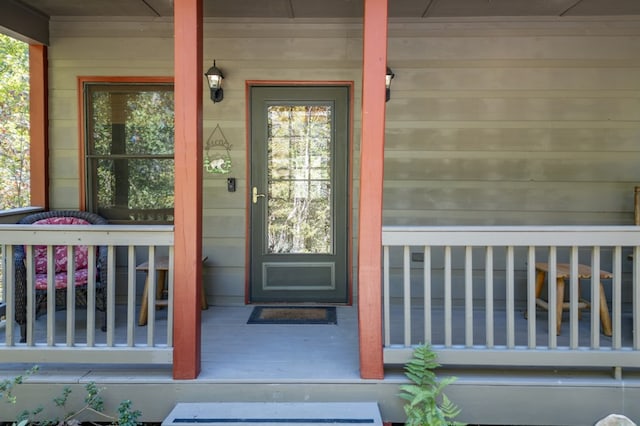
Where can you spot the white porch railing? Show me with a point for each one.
(74, 335)
(470, 292)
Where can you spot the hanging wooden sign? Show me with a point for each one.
(217, 156)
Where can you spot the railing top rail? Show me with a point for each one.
(20, 211)
(511, 235)
(161, 235)
(13, 215)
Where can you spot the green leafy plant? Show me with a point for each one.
(7, 385)
(93, 403)
(427, 404)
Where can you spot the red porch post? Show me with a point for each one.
(188, 187)
(39, 125)
(371, 177)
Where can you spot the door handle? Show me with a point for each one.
(255, 195)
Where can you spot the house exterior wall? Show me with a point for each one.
(490, 121)
(504, 122)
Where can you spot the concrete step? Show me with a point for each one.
(274, 413)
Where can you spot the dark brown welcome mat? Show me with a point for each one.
(293, 315)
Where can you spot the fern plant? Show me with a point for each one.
(427, 404)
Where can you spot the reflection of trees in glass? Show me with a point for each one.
(14, 123)
(299, 179)
(131, 137)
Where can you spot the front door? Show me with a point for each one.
(299, 194)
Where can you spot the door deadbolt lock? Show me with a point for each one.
(255, 195)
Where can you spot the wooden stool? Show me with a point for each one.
(563, 271)
(162, 266)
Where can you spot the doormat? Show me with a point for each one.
(293, 315)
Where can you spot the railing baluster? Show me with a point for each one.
(151, 294)
(427, 294)
(110, 311)
(131, 294)
(386, 298)
(447, 297)
(91, 296)
(71, 296)
(9, 293)
(406, 294)
(574, 298)
(468, 297)
(531, 298)
(170, 304)
(511, 324)
(595, 297)
(488, 296)
(616, 299)
(51, 301)
(552, 298)
(31, 298)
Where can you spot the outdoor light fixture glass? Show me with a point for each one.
(214, 78)
(387, 83)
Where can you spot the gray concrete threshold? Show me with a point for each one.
(274, 413)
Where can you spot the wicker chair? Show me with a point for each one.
(61, 291)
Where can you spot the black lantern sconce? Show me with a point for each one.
(387, 83)
(214, 78)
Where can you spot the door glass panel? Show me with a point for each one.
(299, 167)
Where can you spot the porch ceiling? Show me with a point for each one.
(340, 8)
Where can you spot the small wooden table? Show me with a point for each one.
(161, 266)
(563, 272)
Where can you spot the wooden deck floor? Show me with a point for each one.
(235, 350)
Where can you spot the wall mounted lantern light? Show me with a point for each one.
(387, 82)
(214, 78)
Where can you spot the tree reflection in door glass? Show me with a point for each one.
(299, 179)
